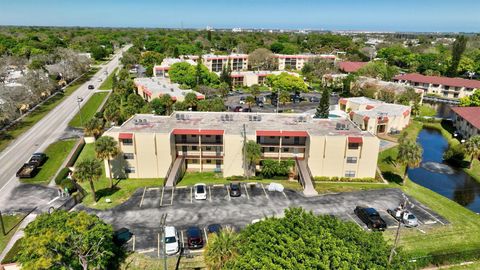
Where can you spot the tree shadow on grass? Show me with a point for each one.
(106, 192)
(390, 160)
(392, 177)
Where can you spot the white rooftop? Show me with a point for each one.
(160, 86)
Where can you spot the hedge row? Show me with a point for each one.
(345, 179)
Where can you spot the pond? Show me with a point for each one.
(446, 180)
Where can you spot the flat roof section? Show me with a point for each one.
(156, 87)
(233, 123)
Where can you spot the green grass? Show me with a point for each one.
(136, 261)
(107, 84)
(121, 192)
(10, 224)
(427, 111)
(10, 257)
(88, 110)
(323, 188)
(31, 119)
(56, 152)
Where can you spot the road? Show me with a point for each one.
(46, 131)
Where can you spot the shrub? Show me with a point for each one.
(68, 184)
(345, 179)
(61, 176)
(272, 168)
(455, 154)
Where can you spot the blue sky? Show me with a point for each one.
(381, 15)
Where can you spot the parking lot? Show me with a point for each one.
(141, 214)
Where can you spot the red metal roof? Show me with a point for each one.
(470, 114)
(279, 133)
(125, 136)
(351, 66)
(343, 101)
(455, 82)
(178, 131)
(370, 107)
(355, 140)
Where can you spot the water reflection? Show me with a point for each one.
(448, 181)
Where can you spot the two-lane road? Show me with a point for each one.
(46, 131)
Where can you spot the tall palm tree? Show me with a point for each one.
(167, 101)
(221, 248)
(410, 155)
(107, 148)
(472, 147)
(93, 127)
(253, 153)
(250, 100)
(89, 170)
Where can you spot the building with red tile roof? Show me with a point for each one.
(443, 86)
(467, 120)
(350, 67)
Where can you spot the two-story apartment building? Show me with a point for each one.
(442, 86)
(214, 141)
(297, 61)
(466, 121)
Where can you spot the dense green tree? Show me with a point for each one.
(323, 108)
(458, 49)
(253, 153)
(302, 240)
(93, 127)
(471, 101)
(150, 59)
(410, 155)
(386, 95)
(221, 248)
(226, 75)
(167, 102)
(191, 100)
(396, 55)
(379, 70)
(88, 170)
(185, 74)
(286, 82)
(99, 52)
(135, 101)
(472, 148)
(67, 240)
(106, 148)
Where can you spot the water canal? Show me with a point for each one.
(446, 180)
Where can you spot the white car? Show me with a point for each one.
(171, 240)
(200, 191)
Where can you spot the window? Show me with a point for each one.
(271, 149)
(290, 63)
(208, 148)
(286, 150)
(350, 174)
(194, 148)
(237, 81)
(127, 141)
(193, 161)
(352, 160)
(208, 136)
(436, 85)
(217, 65)
(194, 136)
(128, 156)
(353, 146)
(237, 64)
(208, 161)
(130, 170)
(218, 139)
(261, 80)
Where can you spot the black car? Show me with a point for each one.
(37, 159)
(91, 87)
(194, 238)
(214, 228)
(371, 218)
(235, 190)
(122, 236)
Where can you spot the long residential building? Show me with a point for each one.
(249, 78)
(155, 87)
(297, 61)
(442, 86)
(466, 121)
(376, 116)
(156, 146)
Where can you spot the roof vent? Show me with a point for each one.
(222, 118)
(177, 116)
(250, 118)
(259, 118)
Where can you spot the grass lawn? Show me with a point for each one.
(426, 110)
(348, 187)
(107, 84)
(88, 110)
(120, 193)
(10, 223)
(56, 152)
(136, 261)
(31, 119)
(211, 178)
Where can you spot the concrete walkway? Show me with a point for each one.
(309, 188)
(18, 234)
(174, 172)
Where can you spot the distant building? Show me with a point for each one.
(162, 69)
(376, 116)
(442, 86)
(216, 63)
(249, 78)
(150, 88)
(466, 121)
(297, 61)
(351, 67)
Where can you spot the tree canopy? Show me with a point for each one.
(287, 82)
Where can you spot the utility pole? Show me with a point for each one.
(245, 151)
(1, 223)
(79, 100)
(397, 235)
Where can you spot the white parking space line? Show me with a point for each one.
(354, 220)
(430, 215)
(146, 251)
(228, 193)
(158, 245)
(191, 194)
(182, 243)
(133, 242)
(246, 191)
(143, 195)
(154, 188)
(422, 231)
(285, 195)
(171, 200)
(218, 185)
(264, 191)
(54, 199)
(210, 193)
(161, 196)
(206, 236)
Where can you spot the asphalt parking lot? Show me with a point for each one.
(142, 212)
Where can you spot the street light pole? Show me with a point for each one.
(397, 235)
(79, 100)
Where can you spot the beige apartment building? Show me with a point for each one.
(466, 121)
(376, 116)
(442, 86)
(155, 87)
(249, 78)
(159, 146)
(297, 61)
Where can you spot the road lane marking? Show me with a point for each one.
(153, 188)
(191, 194)
(133, 242)
(143, 196)
(161, 197)
(171, 200)
(246, 191)
(283, 192)
(264, 191)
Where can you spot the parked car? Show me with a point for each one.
(99, 79)
(214, 228)
(260, 104)
(246, 110)
(371, 218)
(406, 217)
(314, 99)
(121, 236)
(235, 190)
(200, 191)
(91, 87)
(27, 171)
(171, 240)
(37, 159)
(242, 100)
(194, 238)
(238, 109)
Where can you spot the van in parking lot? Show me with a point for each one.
(171, 240)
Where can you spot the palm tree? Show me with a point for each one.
(253, 153)
(410, 155)
(284, 97)
(250, 101)
(255, 90)
(93, 127)
(472, 148)
(90, 170)
(107, 148)
(191, 100)
(167, 101)
(221, 248)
